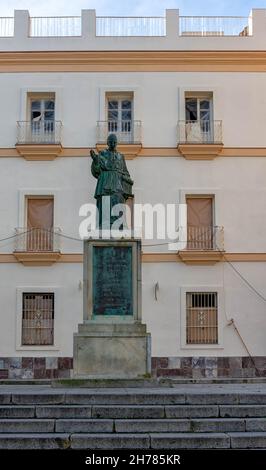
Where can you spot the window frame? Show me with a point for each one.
(19, 312)
(221, 318)
(193, 297)
(42, 293)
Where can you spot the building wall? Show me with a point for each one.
(238, 184)
(238, 102)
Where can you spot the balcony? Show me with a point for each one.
(39, 140)
(200, 140)
(128, 136)
(205, 245)
(37, 246)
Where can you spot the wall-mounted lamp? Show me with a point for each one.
(156, 290)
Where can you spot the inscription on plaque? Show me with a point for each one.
(112, 280)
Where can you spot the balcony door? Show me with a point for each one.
(42, 119)
(199, 119)
(40, 223)
(119, 116)
(200, 230)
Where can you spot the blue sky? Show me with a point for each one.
(131, 7)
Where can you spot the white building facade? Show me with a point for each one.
(185, 97)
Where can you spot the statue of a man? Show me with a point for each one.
(109, 167)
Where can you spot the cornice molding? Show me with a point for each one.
(133, 61)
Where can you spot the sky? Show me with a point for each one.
(131, 7)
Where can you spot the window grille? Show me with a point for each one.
(201, 318)
(38, 319)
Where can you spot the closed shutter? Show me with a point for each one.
(200, 223)
(40, 215)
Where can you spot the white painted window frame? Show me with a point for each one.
(196, 90)
(119, 90)
(24, 97)
(19, 312)
(214, 192)
(221, 315)
(44, 192)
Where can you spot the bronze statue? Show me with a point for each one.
(109, 167)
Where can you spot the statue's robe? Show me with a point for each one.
(112, 174)
(113, 179)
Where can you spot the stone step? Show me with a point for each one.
(164, 441)
(10, 411)
(154, 441)
(64, 411)
(84, 425)
(179, 425)
(34, 441)
(27, 425)
(132, 411)
(242, 411)
(210, 425)
(248, 440)
(132, 397)
(128, 412)
(256, 424)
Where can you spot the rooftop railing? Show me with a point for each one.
(214, 26)
(6, 27)
(88, 25)
(55, 26)
(130, 26)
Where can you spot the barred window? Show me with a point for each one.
(202, 318)
(38, 319)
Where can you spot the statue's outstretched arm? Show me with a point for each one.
(93, 155)
(95, 166)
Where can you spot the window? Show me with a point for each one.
(40, 222)
(38, 319)
(42, 117)
(199, 117)
(119, 116)
(200, 228)
(201, 318)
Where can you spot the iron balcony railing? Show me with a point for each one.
(127, 131)
(6, 27)
(203, 131)
(39, 132)
(130, 26)
(55, 26)
(37, 239)
(203, 237)
(215, 26)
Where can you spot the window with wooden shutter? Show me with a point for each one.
(200, 229)
(201, 318)
(38, 318)
(40, 221)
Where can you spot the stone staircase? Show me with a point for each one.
(181, 417)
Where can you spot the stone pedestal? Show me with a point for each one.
(112, 342)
